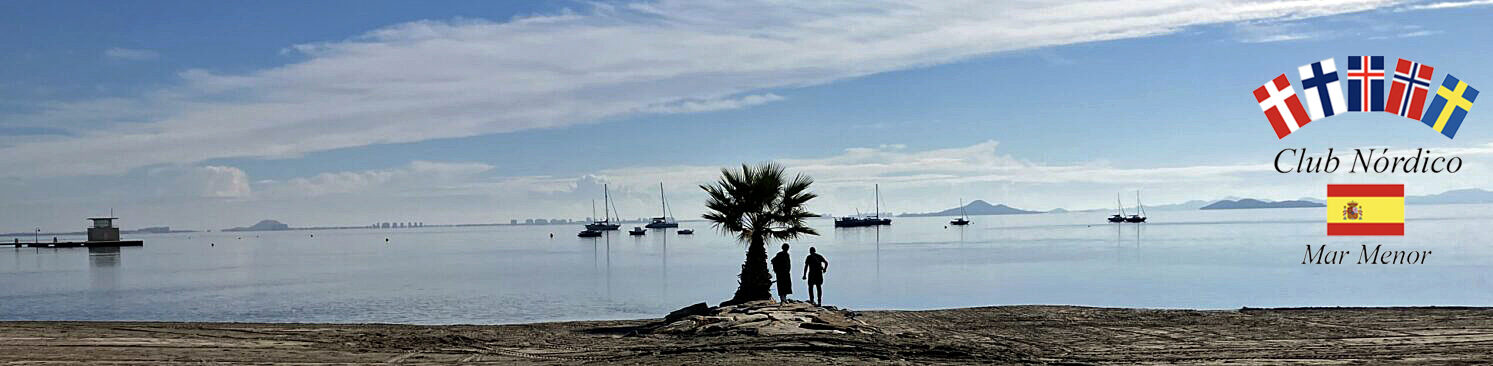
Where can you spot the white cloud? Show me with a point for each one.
(129, 54)
(419, 178)
(439, 79)
(200, 182)
(695, 106)
(1447, 5)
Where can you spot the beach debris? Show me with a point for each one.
(696, 309)
(764, 317)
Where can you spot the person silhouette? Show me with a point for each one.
(814, 269)
(782, 268)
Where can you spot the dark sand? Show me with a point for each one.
(1007, 334)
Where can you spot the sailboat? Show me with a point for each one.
(606, 212)
(961, 221)
(588, 233)
(874, 219)
(1119, 217)
(1140, 215)
(667, 220)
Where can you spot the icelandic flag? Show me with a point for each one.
(1453, 101)
(1365, 83)
(1407, 94)
(1324, 97)
(1278, 99)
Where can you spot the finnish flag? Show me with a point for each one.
(1324, 95)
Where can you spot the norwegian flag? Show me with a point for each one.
(1407, 95)
(1278, 99)
(1324, 94)
(1365, 83)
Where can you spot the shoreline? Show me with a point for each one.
(1000, 334)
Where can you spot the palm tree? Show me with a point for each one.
(757, 204)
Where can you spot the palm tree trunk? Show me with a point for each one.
(755, 282)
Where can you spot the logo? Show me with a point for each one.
(1386, 200)
(1410, 85)
(1351, 211)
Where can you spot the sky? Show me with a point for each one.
(208, 115)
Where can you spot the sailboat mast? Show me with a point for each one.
(1138, 205)
(1119, 205)
(593, 211)
(606, 202)
(878, 200)
(961, 208)
(663, 203)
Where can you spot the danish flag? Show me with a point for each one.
(1365, 83)
(1407, 96)
(1278, 99)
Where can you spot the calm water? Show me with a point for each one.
(1184, 259)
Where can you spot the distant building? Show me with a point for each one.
(513, 222)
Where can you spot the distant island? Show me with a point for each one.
(263, 225)
(976, 208)
(1250, 203)
(1458, 196)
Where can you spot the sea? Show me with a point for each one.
(1197, 259)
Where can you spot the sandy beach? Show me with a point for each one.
(1004, 334)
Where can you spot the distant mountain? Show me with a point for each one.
(1248, 203)
(976, 208)
(265, 225)
(1189, 205)
(1460, 196)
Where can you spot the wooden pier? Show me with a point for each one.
(102, 234)
(83, 244)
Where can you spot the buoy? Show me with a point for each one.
(213, 244)
(386, 240)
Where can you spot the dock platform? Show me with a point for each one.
(83, 244)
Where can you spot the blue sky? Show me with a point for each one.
(333, 113)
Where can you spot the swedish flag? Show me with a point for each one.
(1452, 102)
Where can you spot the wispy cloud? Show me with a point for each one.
(1446, 5)
(439, 79)
(1276, 31)
(696, 106)
(129, 54)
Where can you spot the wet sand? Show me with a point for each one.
(1005, 334)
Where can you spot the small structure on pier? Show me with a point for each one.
(103, 229)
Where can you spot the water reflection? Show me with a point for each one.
(664, 264)
(103, 267)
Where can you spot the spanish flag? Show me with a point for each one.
(1365, 209)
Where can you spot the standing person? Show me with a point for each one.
(814, 270)
(782, 268)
